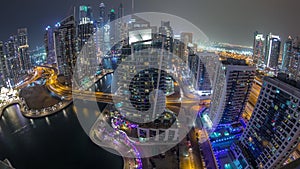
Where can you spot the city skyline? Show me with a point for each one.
(231, 22)
(150, 89)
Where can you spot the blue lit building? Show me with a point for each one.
(229, 100)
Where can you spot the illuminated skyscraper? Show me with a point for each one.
(199, 71)
(287, 54)
(3, 66)
(112, 15)
(23, 47)
(50, 46)
(102, 17)
(120, 11)
(113, 25)
(272, 51)
(85, 26)
(291, 58)
(166, 35)
(38, 56)
(13, 62)
(229, 100)
(85, 14)
(187, 39)
(258, 49)
(66, 46)
(273, 131)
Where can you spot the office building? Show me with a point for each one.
(202, 81)
(165, 32)
(85, 14)
(66, 46)
(50, 46)
(112, 15)
(120, 11)
(38, 56)
(272, 51)
(291, 58)
(186, 39)
(102, 16)
(272, 133)
(3, 67)
(23, 47)
(258, 49)
(85, 26)
(12, 59)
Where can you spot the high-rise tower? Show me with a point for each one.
(291, 58)
(272, 51)
(85, 26)
(23, 47)
(229, 101)
(50, 46)
(102, 17)
(66, 46)
(272, 133)
(3, 66)
(258, 49)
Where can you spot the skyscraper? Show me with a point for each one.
(229, 101)
(291, 58)
(23, 47)
(50, 46)
(166, 35)
(112, 15)
(258, 49)
(66, 46)
(102, 17)
(120, 11)
(3, 66)
(13, 62)
(272, 51)
(113, 25)
(199, 71)
(272, 133)
(85, 26)
(287, 54)
(85, 14)
(186, 38)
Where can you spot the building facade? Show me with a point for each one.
(66, 46)
(272, 51)
(3, 67)
(273, 131)
(229, 100)
(258, 49)
(291, 58)
(23, 48)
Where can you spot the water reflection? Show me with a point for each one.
(57, 141)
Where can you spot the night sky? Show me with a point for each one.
(232, 21)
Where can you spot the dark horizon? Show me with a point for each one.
(224, 21)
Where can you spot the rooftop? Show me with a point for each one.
(231, 61)
(283, 82)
